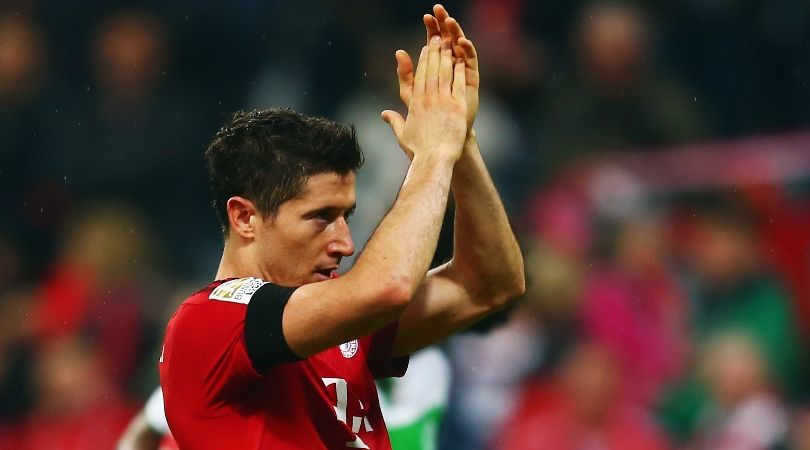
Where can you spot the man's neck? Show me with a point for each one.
(236, 262)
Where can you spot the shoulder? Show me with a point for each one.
(216, 305)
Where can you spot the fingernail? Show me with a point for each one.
(435, 39)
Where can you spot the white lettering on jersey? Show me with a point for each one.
(237, 291)
(342, 393)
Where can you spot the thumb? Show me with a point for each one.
(394, 119)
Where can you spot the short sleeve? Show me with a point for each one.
(380, 362)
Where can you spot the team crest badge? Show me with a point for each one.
(349, 349)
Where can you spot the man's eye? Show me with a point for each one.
(324, 217)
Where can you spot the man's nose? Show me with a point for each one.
(342, 243)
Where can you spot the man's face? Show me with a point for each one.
(306, 240)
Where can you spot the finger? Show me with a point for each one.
(454, 30)
(442, 15)
(433, 63)
(470, 54)
(404, 75)
(446, 68)
(459, 80)
(421, 73)
(395, 120)
(431, 27)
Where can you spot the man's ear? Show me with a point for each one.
(240, 210)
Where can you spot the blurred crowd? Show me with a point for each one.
(651, 155)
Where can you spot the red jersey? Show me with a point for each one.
(216, 397)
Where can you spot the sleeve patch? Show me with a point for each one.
(240, 290)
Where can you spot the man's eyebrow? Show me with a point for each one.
(332, 209)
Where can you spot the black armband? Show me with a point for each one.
(264, 337)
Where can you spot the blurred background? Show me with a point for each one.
(654, 157)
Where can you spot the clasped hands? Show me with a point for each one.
(441, 94)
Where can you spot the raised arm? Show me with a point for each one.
(394, 263)
(487, 266)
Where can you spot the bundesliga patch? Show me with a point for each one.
(237, 291)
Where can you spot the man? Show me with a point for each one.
(279, 352)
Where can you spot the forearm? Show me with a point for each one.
(486, 253)
(402, 246)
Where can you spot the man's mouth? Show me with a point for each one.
(327, 273)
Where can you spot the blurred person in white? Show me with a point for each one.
(746, 412)
(490, 368)
(148, 430)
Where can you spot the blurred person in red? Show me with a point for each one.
(77, 406)
(746, 413)
(634, 305)
(581, 407)
(279, 352)
(96, 287)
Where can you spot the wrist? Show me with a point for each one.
(439, 160)
(471, 140)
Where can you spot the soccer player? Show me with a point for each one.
(279, 353)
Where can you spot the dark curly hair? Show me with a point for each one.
(266, 156)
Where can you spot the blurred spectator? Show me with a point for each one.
(99, 102)
(561, 217)
(581, 408)
(635, 307)
(135, 134)
(736, 290)
(77, 407)
(515, 60)
(783, 219)
(746, 414)
(23, 64)
(733, 291)
(799, 438)
(762, 41)
(487, 372)
(15, 354)
(616, 98)
(100, 287)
